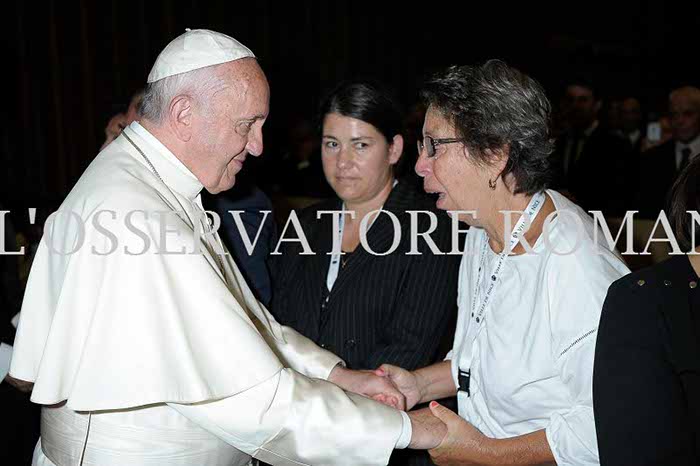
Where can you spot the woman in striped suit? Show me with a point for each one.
(367, 307)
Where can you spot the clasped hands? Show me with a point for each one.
(436, 428)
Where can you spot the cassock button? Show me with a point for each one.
(667, 283)
(477, 320)
(350, 343)
(693, 284)
(641, 282)
(323, 345)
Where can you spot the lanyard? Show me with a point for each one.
(478, 312)
(334, 266)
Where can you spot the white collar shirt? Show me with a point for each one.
(531, 363)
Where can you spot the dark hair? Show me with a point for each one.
(366, 101)
(494, 106)
(587, 81)
(685, 196)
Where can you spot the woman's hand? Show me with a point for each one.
(407, 382)
(463, 444)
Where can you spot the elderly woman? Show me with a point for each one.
(531, 285)
(646, 382)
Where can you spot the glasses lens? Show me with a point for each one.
(429, 145)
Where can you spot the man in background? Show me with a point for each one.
(591, 161)
(662, 164)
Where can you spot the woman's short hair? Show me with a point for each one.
(494, 106)
(685, 196)
(366, 101)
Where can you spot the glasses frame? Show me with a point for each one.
(431, 147)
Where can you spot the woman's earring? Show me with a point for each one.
(492, 185)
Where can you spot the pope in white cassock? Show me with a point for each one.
(144, 343)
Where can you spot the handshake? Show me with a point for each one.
(400, 389)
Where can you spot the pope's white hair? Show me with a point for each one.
(198, 84)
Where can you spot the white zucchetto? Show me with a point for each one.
(195, 49)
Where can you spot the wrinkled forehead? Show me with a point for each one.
(246, 86)
(436, 124)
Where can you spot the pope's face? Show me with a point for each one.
(232, 128)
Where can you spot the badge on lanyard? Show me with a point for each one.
(479, 313)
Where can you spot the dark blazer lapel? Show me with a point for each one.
(321, 242)
(308, 276)
(380, 237)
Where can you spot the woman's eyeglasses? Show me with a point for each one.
(430, 144)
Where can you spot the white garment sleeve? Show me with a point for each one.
(406, 432)
(292, 348)
(578, 285)
(5, 358)
(571, 434)
(293, 420)
(303, 355)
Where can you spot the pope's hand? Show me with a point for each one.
(428, 430)
(405, 381)
(368, 384)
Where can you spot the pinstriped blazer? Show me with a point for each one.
(393, 309)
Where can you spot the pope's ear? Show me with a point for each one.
(180, 117)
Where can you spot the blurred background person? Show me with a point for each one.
(121, 120)
(10, 290)
(14, 394)
(247, 197)
(631, 124)
(590, 160)
(646, 382)
(368, 309)
(662, 164)
(300, 171)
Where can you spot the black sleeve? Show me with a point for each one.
(637, 397)
(10, 287)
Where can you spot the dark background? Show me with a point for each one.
(71, 65)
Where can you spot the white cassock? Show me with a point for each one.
(143, 355)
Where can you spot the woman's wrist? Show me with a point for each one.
(434, 382)
(422, 386)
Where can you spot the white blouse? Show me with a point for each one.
(531, 362)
